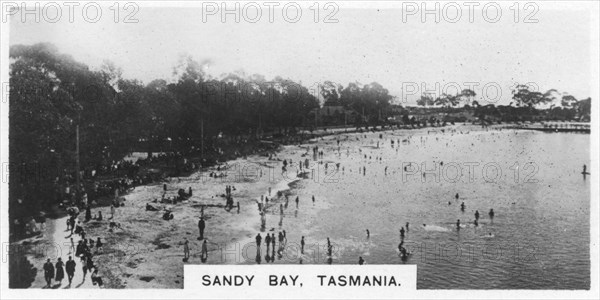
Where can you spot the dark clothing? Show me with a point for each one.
(97, 280)
(88, 213)
(201, 226)
(48, 272)
(60, 273)
(70, 267)
(90, 263)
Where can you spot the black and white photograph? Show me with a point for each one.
(308, 149)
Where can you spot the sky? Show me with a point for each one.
(374, 42)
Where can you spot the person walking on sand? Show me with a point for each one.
(72, 247)
(186, 250)
(204, 253)
(201, 226)
(302, 245)
(297, 201)
(88, 213)
(84, 268)
(60, 272)
(112, 211)
(48, 272)
(70, 268)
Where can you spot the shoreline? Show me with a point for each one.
(131, 254)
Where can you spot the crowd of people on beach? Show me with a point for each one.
(275, 242)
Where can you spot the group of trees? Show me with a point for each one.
(371, 101)
(52, 96)
(446, 100)
(527, 104)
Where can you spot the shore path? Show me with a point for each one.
(58, 238)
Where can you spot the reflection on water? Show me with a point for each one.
(539, 237)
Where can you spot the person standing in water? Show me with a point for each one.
(297, 201)
(402, 232)
(491, 213)
(476, 215)
(458, 224)
(462, 207)
(368, 234)
(258, 241)
(268, 241)
(302, 245)
(456, 197)
(406, 226)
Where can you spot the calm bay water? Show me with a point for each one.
(539, 235)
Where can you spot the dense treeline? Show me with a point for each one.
(52, 96)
